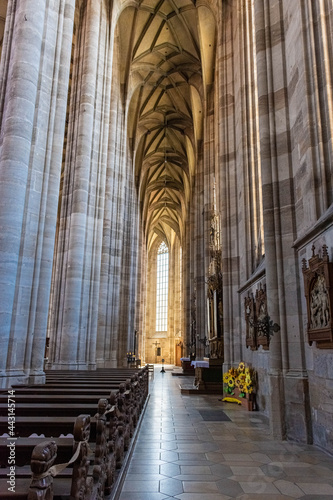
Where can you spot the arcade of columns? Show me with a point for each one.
(206, 124)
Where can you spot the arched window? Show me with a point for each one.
(162, 288)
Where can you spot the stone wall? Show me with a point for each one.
(293, 153)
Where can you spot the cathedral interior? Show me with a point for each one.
(166, 190)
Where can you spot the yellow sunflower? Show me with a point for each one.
(226, 377)
(231, 382)
(241, 366)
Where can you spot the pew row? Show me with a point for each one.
(110, 431)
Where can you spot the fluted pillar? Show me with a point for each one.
(16, 138)
(58, 88)
(33, 122)
(286, 349)
(129, 269)
(70, 342)
(103, 341)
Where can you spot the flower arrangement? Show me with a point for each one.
(242, 377)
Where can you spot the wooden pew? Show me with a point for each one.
(117, 417)
(109, 450)
(74, 481)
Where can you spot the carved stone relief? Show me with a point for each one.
(318, 289)
(258, 324)
(249, 321)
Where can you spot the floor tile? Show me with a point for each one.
(178, 455)
(288, 488)
(316, 497)
(239, 457)
(202, 496)
(196, 469)
(197, 477)
(169, 456)
(264, 496)
(144, 477)
(143, 469)
(316, 488)
(171, 486)
(246, 471)
(221, 470)
(229, 487)
(170, 470)
(143, 486)
(200, 487)
(259, 488)
(126, 495)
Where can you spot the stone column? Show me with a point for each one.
(199, 246)
(29, 180)
(117, 238)
(128, 267)
(270, 200)
(71, 342)
(191, 281)
(141, 295)
(103, 342)
(16, 138)
(228, 175)
(286, 346)
(57, 88)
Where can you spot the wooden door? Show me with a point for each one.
(179, 353)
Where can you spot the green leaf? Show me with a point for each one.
(242, 394)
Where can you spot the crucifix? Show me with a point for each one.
(156, 350)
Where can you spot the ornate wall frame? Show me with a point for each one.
(318, 290)
(259, 326)
(251, 340)
(214, 282)
(262, 317)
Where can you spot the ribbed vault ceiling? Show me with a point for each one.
(161, 76)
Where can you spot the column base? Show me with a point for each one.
(37, 377)
(17, 377)
(298, 410)
(277, 410)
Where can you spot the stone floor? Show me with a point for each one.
(180, 455)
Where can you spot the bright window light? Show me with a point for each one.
(162, 288)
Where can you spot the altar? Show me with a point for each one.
(200, 364)
(187, 367)
(208, 375)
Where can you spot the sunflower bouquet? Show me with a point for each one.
(242, 377)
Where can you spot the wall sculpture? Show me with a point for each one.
(214, 283)
(259, 326)
(318, 289)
